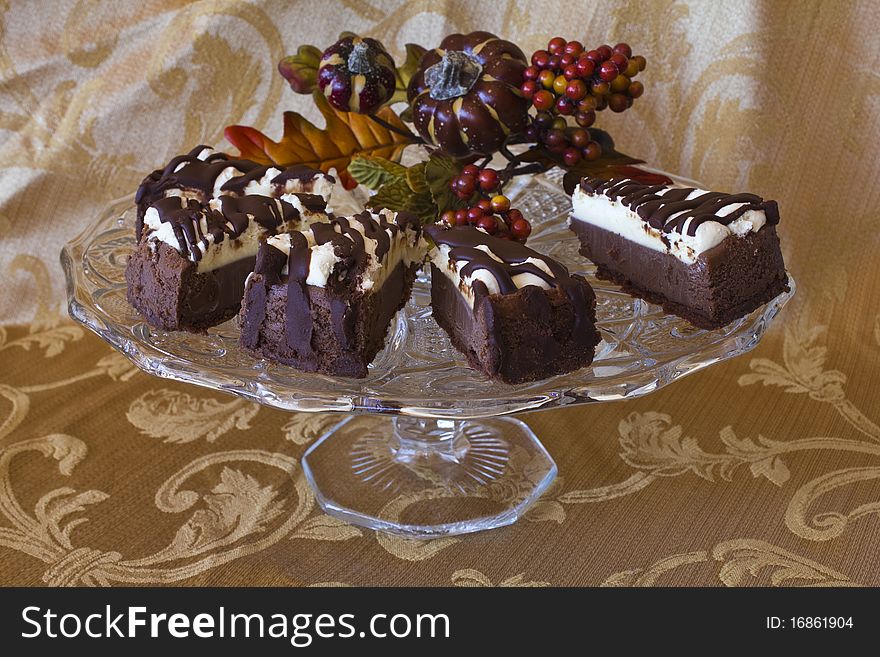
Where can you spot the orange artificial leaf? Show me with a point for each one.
(347, 135)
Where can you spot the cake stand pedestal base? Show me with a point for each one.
(425, 477)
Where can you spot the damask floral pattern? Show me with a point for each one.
(760, 471)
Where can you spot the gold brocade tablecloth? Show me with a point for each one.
(761, 470)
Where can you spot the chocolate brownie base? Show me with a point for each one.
(524, 336)
(726, 282)
(347, 330)
(171, 294)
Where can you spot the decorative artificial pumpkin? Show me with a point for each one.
(465, 95)
(357, 75)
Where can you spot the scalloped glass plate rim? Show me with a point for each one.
(260, 383)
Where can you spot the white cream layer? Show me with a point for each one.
(246, 245)
(204, 154)
(406, 247)
(321, 185)
(439, 256)
(614, 216)
(229, 250)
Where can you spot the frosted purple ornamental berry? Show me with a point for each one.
(357, 75)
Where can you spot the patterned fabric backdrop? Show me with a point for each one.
(762, 470)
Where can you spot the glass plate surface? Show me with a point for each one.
(418, 373)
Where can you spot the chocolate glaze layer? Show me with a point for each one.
(726, 282)
(672, 211)
(265, 318)
(298, 334)
(520, 333)
(195, 174)
(298, 172)
(164, 283)
(348, 242)
(526, 335)
(337, 298)
(172, 295)
(512, 260)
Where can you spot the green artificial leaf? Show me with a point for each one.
(404, 73)
(301, 70)
(422, 189)
(397, 195)
(415, 178)
(439, 170)
(393, 195)
(422, 205)
(374, 172)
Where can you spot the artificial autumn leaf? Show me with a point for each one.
(346, 136)
(404, 73)
(301, 70)
(373, 172)
(609, 168)
(611, 164)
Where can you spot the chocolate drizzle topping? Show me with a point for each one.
(184, 216)
(671, 211)
(188, 172)
(300, 172)
(512, 260)
(312, 202)
(197, 226)
(297, 332)
(348, 242)
(464, 240)
(193, 174)
(349, 246)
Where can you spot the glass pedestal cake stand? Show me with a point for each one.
(427, 446)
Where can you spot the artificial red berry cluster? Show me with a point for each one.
(488, 208)
(567, 80)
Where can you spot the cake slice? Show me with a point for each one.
(199, 225)
(517, 315)
(707, 257)
(321, 299)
